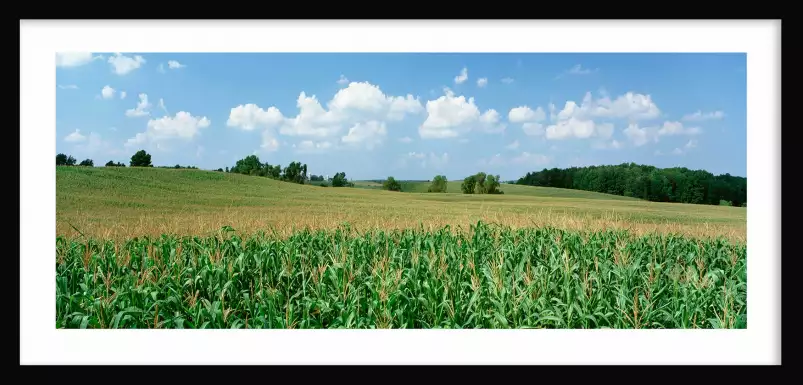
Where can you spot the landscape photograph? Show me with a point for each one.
(401, 190)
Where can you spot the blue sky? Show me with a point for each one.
(411, 116)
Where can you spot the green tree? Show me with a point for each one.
(492, 185)
(391, 184)
(677, 184)
(275, 172)
(249, 165)
(468, 185)
(87, 163)
(479, 187)
(438, 184)
(141, 159)
(61, 160)
(295, 172)
(339, 180)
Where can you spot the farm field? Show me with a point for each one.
(453, 187)
(115, 203)
(163, 248)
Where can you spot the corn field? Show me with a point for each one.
(485, 277)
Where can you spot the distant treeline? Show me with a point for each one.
(646, 182)
(295, 172)
(139, 159)
(628, 179)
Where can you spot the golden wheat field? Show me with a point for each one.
(115, 203)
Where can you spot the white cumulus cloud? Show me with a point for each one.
(142, 107)
(525, 114)
(174, 65)
(181, 126)
(107, 92)
(571, 127)
(363, 100)
(482, 82)
(490, 122)
(343, 80)
(122, 64)
(369, 134)
(450, 116)
(312, 120)
(630, 106)
(361, 106)
(250, 116)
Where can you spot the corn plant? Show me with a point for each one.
(485, 277)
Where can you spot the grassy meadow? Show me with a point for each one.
(165, 248)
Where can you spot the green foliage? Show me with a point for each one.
(469, 184)
(316, 178)
(251, 165)
(295, 172)
(64, 160)
(646, 182)
(492, 185)
(248, 165)
(111, 163)
(725, 203)
(487, 277)
(87, 163)
(141, 159)
(339, 180)
(438, 184)
(481, 183)
(391, 184)
(219, 170)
